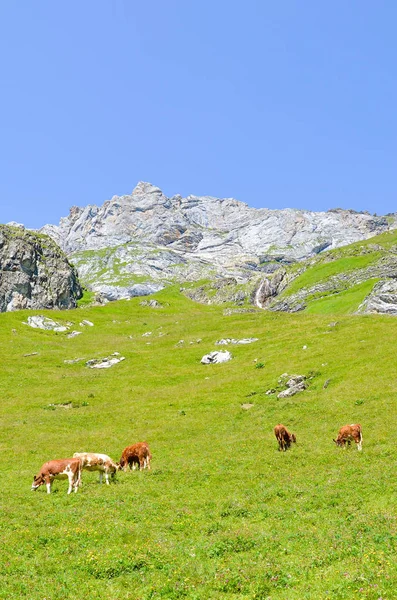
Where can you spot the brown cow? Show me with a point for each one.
(91, 461)
(69, 468)
(347, 433)
(137, 454)
(284, 437)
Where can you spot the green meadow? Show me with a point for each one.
(222, 514)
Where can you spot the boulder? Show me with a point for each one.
(216, 357)
(41, 322)
(34, 272)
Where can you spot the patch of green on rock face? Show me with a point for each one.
(86, 299)
(222, 514)
(324, 270)
(342, 302)
(337, 281)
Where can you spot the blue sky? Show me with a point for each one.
(278, 104)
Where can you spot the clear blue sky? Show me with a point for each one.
(278, 104)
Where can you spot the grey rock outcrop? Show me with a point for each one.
(382, 299)
(34, 272)
(146, 237)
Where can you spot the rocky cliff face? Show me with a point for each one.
(34, 272)
(147, 238)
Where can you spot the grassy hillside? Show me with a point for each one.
(337, 281)
(222, 514)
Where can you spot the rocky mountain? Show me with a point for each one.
(34, 272)
(137, 243)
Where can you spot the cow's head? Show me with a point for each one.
(122, 463)
(339, 442)
(293, 438)
(38, 480)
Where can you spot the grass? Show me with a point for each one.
(222, 514)
(322, 271)
(343, 302)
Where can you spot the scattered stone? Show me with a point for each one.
(151, 303)
(247, 406)
(31, 354)
(85, 322)
(226, 341)
(65, 405)
(326, 384)
(234, 311)
(74, 334)
(41, 322)
(180, 343)
(271, 391)
(304, 347)
(105, 363)
(293, 383)
(195, 341)
(147, 334)
(216, 357)
(333, 324)
(74, 360)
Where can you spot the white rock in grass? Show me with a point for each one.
(216, 357)
(41, 322)
(105, 363)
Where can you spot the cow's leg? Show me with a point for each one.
(70, 478)
(100, 476)
(107, 478)
(48, 485)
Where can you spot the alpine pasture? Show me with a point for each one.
(222, 514)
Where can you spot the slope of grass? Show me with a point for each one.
(222, 514)
(338, 280)
(323, 270)
(341, 303)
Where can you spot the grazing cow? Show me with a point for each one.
(138, 454)
(90, 461)
(284, 437)
(69, 468)
(347, 433)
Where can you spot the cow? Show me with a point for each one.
(284, 437)
(347, 433)
(64, 468)
(90, 461)
(137, 454)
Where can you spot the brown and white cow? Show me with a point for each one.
(137, 454)
(64, 468)
(284, 437)
(347, 433)
(91, 461)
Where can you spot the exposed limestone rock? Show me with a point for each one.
(293, 383)
(41, 322)
(105, 363)
(163, 240)
(382, 300)
(34, 272)
(216, 357)
(117, 292)
(226, 341)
